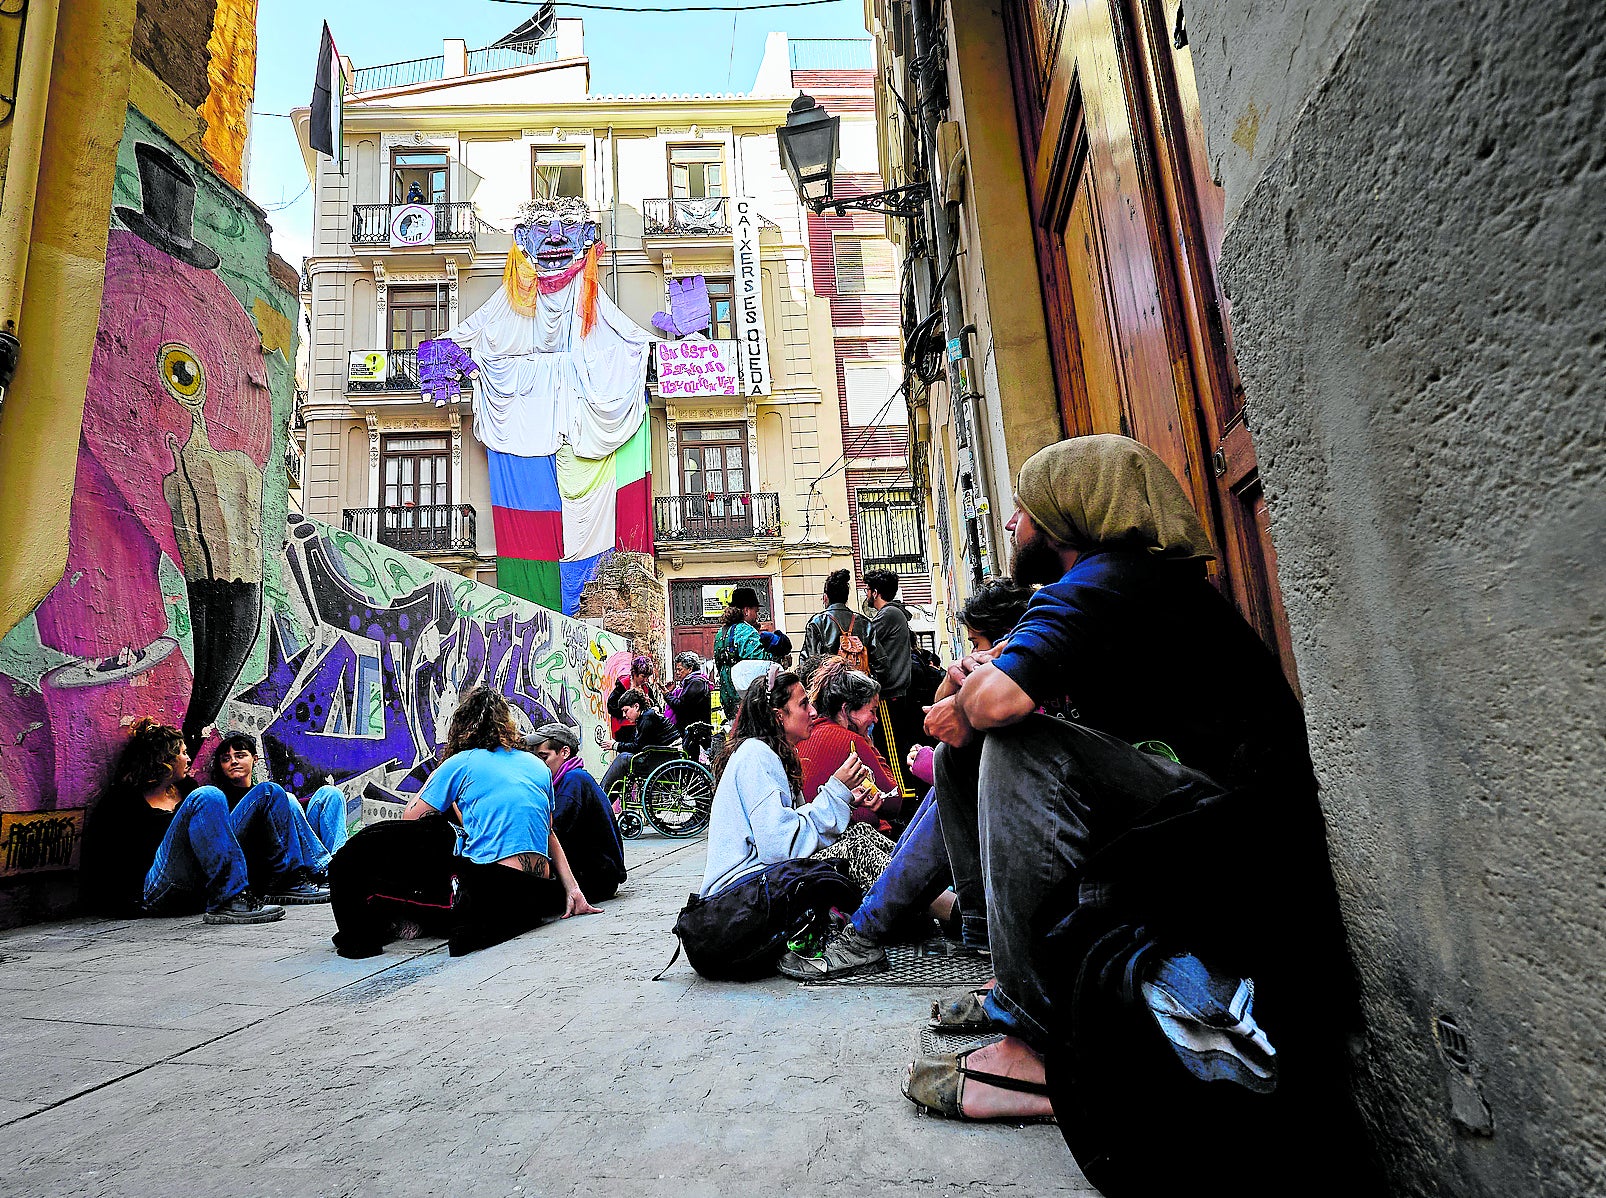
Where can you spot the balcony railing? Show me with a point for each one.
(401, 373)
(686, 218)
(431, 528)
(370, 223)
(680, 518)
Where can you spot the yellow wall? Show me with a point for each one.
(93, 80)
(44, 407)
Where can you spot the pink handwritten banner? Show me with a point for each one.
(695, 367)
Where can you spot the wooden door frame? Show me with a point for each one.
(1054, 144)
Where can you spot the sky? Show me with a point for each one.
(629, 52)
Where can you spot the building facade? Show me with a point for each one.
(855, 268)
(745, 485)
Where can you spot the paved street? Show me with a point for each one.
(165, 1056)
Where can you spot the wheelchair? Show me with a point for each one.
(667, 790)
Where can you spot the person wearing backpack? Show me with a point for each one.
(838, 631)
(737, 640)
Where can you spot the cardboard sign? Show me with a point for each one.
(36, 842)
(753, 347)
(695, 366)
(412, 224)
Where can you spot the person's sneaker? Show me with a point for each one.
(845, 955)
(305, 890)
(244, 907)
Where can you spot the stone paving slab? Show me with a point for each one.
(154, 1057)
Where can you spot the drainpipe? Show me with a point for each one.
(962, 397)
(22, 173)
(613, 232)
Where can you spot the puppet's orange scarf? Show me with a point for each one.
(524, 284)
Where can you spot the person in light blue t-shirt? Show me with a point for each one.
(513, 871)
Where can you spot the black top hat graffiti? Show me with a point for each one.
(167, 221)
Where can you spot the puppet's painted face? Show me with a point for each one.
(553, 235)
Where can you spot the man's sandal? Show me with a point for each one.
(937, 1086)
(963, 1014)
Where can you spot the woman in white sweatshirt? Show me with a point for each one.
(759, 817)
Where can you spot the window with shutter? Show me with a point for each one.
(864, 264)
(870, 385)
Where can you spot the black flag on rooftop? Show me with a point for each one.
(542, 25)
(328, 99)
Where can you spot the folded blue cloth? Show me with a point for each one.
(1209, 1020)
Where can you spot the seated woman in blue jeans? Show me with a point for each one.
(159, 844)
(233, 770)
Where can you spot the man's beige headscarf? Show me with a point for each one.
(1111, 490)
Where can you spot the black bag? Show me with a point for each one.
(740, 933)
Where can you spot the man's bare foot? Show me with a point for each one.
(1008, 1057)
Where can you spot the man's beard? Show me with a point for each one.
(1037, 562)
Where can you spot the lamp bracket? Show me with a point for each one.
(905, 202)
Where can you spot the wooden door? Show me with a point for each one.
(1129, 226)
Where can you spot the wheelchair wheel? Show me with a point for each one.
(630, 825)
(677, 798)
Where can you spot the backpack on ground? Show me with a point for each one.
(739, 934)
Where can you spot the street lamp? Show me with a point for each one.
(808, 144)
(808, 147)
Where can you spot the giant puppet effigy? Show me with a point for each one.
(560, 406)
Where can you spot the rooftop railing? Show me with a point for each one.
(432, 70)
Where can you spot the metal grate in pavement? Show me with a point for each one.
(933, 963)
(935, 1044)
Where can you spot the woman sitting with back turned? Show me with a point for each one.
(759, 817)
(514, 872)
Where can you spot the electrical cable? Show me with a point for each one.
(631, 8)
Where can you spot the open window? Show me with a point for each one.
(696, 172)
(418, 177)
(558, 173)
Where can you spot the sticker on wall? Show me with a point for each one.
(34, 842)
(412, 224)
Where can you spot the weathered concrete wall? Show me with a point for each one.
(1416, 258)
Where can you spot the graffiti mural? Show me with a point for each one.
(160, 608)
(369, 649)
(188, 596)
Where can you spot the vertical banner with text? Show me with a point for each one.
(751, 340)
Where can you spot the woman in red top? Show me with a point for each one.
(844, 711)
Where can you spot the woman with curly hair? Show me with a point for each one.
(159, 844)
(511, 870)
(759, 817)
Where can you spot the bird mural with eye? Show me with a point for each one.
(161, 600)
(560, 404)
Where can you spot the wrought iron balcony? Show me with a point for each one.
(426, 528)
(400, 372)
(678, 519)
(686, 218)
(456, 223)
